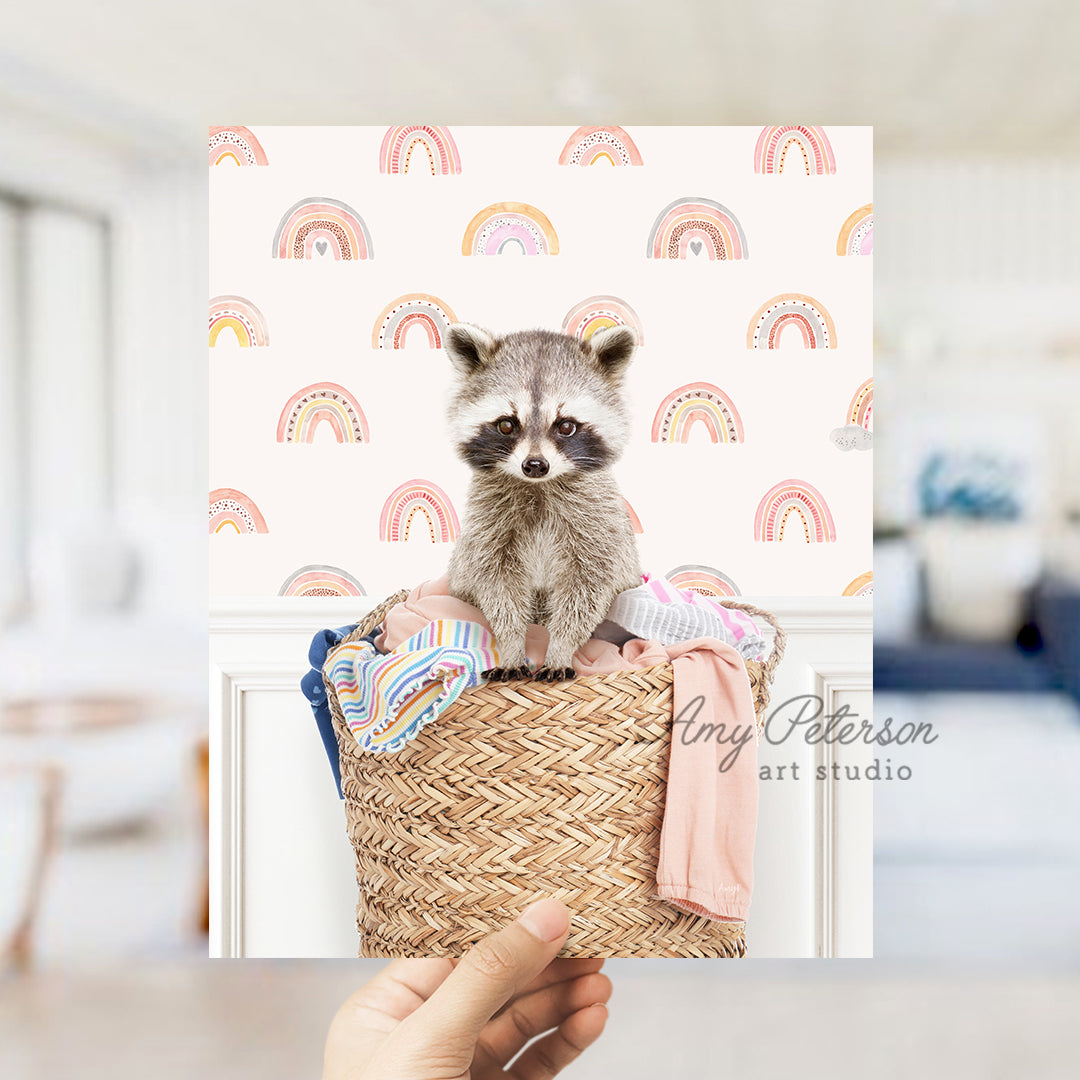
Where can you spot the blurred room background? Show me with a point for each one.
(103, 116)
(102, 574)
(977, 552)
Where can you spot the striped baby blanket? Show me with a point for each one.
(387, 698)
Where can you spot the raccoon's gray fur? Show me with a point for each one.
(540, 417)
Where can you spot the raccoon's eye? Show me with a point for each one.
(565, 427)
(505, 426)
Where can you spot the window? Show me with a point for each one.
(55, 417)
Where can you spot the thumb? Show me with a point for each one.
(485, 979)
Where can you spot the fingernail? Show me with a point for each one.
(545, 919)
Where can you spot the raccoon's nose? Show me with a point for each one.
(534, 467)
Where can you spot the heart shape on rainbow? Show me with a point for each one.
(322, 224)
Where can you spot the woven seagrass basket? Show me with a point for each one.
(520, 790)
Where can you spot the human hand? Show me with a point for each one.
(443, 1019)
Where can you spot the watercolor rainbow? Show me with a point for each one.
(857, 233)
(863, 585)
(814, 148)
(317, 225)
(809, 316)
(432, 315)
(503, 226)
(693, 403)
(320, 402)
(237, 145)
(418, 498)
(233, 511)
(320, 580)
(801, 499)
(861, 408)
(436, 146)
(706, 580)
(635, 521)
(601, 313)
(692, 225)
(591, 145)
(240, 316)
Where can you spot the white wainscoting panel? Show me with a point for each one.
(282, 876)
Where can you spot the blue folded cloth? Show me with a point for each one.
(312, 686)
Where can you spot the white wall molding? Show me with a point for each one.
(815, 837)
(836, 843)
(230, 685)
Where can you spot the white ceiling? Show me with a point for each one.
(933, 76)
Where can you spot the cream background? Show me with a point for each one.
(696, 501)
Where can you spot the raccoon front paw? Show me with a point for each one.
(554, 674)
(504, 674)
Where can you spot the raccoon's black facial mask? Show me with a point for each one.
(580, 444)
(493, 443)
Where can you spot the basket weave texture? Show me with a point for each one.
(520, 790)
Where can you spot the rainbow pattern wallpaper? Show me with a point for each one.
(741, 257)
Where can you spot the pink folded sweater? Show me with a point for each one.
(706, 861)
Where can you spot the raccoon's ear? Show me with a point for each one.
(613, 348)
(468, 347)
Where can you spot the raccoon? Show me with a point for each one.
(540, 417)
